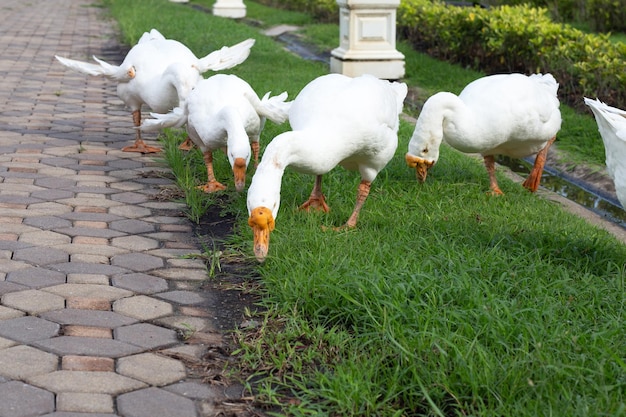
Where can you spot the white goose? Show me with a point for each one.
(506, 114)
(159, 73)
(336, 120)
(223, 111)
(612, 126)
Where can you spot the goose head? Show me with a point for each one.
(261, 221)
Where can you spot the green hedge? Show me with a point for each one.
(519, 38)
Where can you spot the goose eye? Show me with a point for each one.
(425, 150)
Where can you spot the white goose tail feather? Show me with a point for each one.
(101, 69)
(176, 118)
(226, 57)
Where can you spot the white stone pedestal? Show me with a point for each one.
(229, 8)
(367, 40)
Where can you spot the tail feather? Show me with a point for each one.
(176, 118)
(151, 36)
(102, 68)
(274, 108)
(226, 57)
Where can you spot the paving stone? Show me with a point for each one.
(22, 400)
(8, 265)
(10, 313)
(131, 212)
(20, 362)
(96, 279)
(129, 198)
(28, 329)
(69, 345)
(96, 318)
(41, 255)
(139, 262)
(146, 335)
(151, 402)
(90, 232)
(47, 222)
(5, 343)
(36, 277)
(89, 268)
(87, 331)
(182, 274)
(52, 194)
(195, 390)
(104, 292)
(152, 369)
(182, 297)
(142, 307)
(33, 301)
(87, 363)
(55, 183)
(85, 402)
(48, 209)
(45, 238)
(82, 303)
(135, 243)
(186, 323)
(188, 263)
(140, 283)
(86, 382)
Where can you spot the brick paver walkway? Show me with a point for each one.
(94, 290)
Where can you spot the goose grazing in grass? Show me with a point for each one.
(335, 120)
(223, 111)
(159, 73)
(612, 126)
(505, 114)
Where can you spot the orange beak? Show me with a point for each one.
(262, 223)
(239, 169)
(131, 72)
(421, 166)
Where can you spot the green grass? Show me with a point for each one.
(444, 301)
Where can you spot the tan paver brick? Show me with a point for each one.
(88, 331)
(78, 402)
(87, 363)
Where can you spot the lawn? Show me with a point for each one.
(444, 300)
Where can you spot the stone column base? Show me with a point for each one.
(229, 9)
(385, 69)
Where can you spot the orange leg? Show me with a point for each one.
(255, 152)
(139, 145)
(362, 193)
(534, 178)
(490, 164)
(316, 200)
(212, 185)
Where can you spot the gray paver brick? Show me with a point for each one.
(146, 335)
(22, 400)
(88, 291)
(87, 346)
(153, 402)
(28, 329)
(41, 256)
(36, 277)
(140, 283)
(139, 262)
